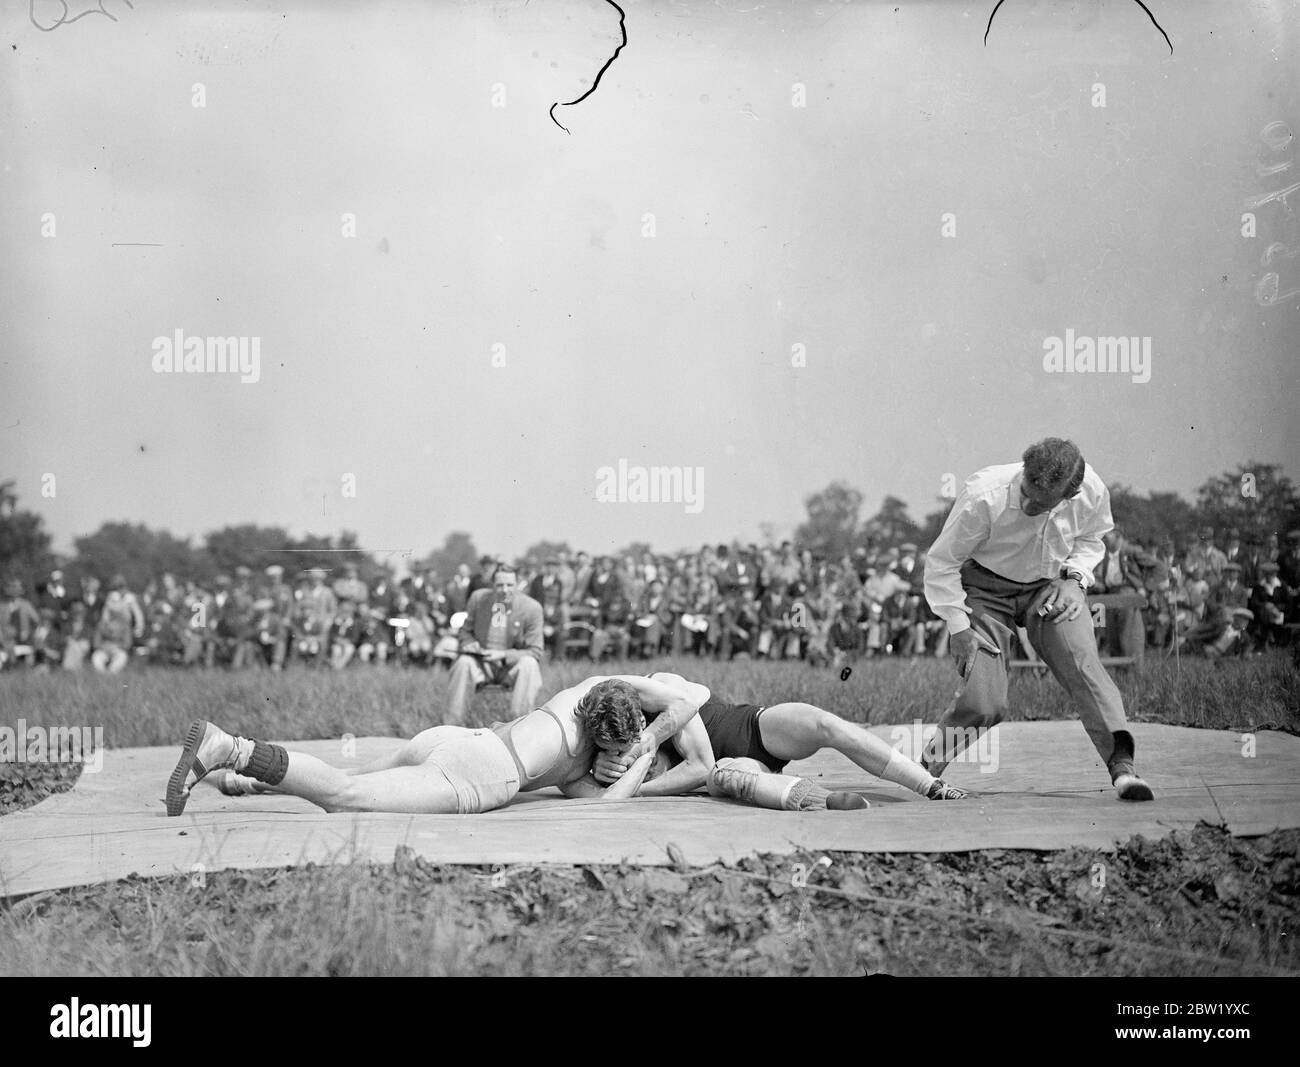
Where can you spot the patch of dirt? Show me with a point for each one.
(25, 784)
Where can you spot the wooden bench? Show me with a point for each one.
(1132, 642)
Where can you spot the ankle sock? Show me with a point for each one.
(906, 772)
(267, 763)
(803, 795)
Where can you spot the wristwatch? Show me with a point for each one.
(1076, 576)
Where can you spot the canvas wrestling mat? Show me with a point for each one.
(1049, 791)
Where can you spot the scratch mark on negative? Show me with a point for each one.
(1138, 2)
(622, 29)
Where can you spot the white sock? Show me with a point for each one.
(904, 771)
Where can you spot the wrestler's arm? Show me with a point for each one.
(625, 788)
(672, 699)
(692, 741)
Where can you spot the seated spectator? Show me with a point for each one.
(274, 632)
(192, 628)
(1222, 636)
(784, 571)
(898, 618)
(613, 630)
(121, 623)
(1122, 570)
(77, 637)
(1267, 604)
(19, 621)
(317, 610)
(652, 621)
(845, 638)
(910, 570)
(1288, 572)
(350, 586)
(372, 635)
(1204, 556)
(1229, 593)
(739, 624)
(54, 595)
(420, 632)
(236, 632)
(817, 628)
(548, 590)
(163, 640)
(883, 582)
(501, 644)
(774, 621)
(271, 633)
(93, 599)
(48, 641)
(679, 595)
(345, 634)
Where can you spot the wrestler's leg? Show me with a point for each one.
(400, 789)
(795, 731)
(749, 781)
(410, 754)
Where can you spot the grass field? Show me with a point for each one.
(153, 707)
(1192, 904)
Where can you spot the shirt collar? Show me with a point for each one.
(1013, 497)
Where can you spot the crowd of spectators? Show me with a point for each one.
(1208, 596)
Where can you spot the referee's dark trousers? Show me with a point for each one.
(997, 606)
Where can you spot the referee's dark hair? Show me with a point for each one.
(1054, 465)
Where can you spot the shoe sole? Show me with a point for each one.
(1137, 791)
(847, 802)
(177, 795)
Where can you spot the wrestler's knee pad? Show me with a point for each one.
(734, 778)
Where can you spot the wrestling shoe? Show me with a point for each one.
(1127, 784)
(846, 802)
(1130, 787)
(207, 748)
(234, 784)
(941, 790)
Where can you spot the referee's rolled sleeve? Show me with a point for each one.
(1089, 549)
(966, 529)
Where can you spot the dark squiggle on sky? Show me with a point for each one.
(1138, 2)
(63, 19)
(622, 15)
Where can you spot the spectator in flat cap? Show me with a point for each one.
(1226, 636)
(1230, 592)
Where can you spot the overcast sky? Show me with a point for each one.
(774, 226)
